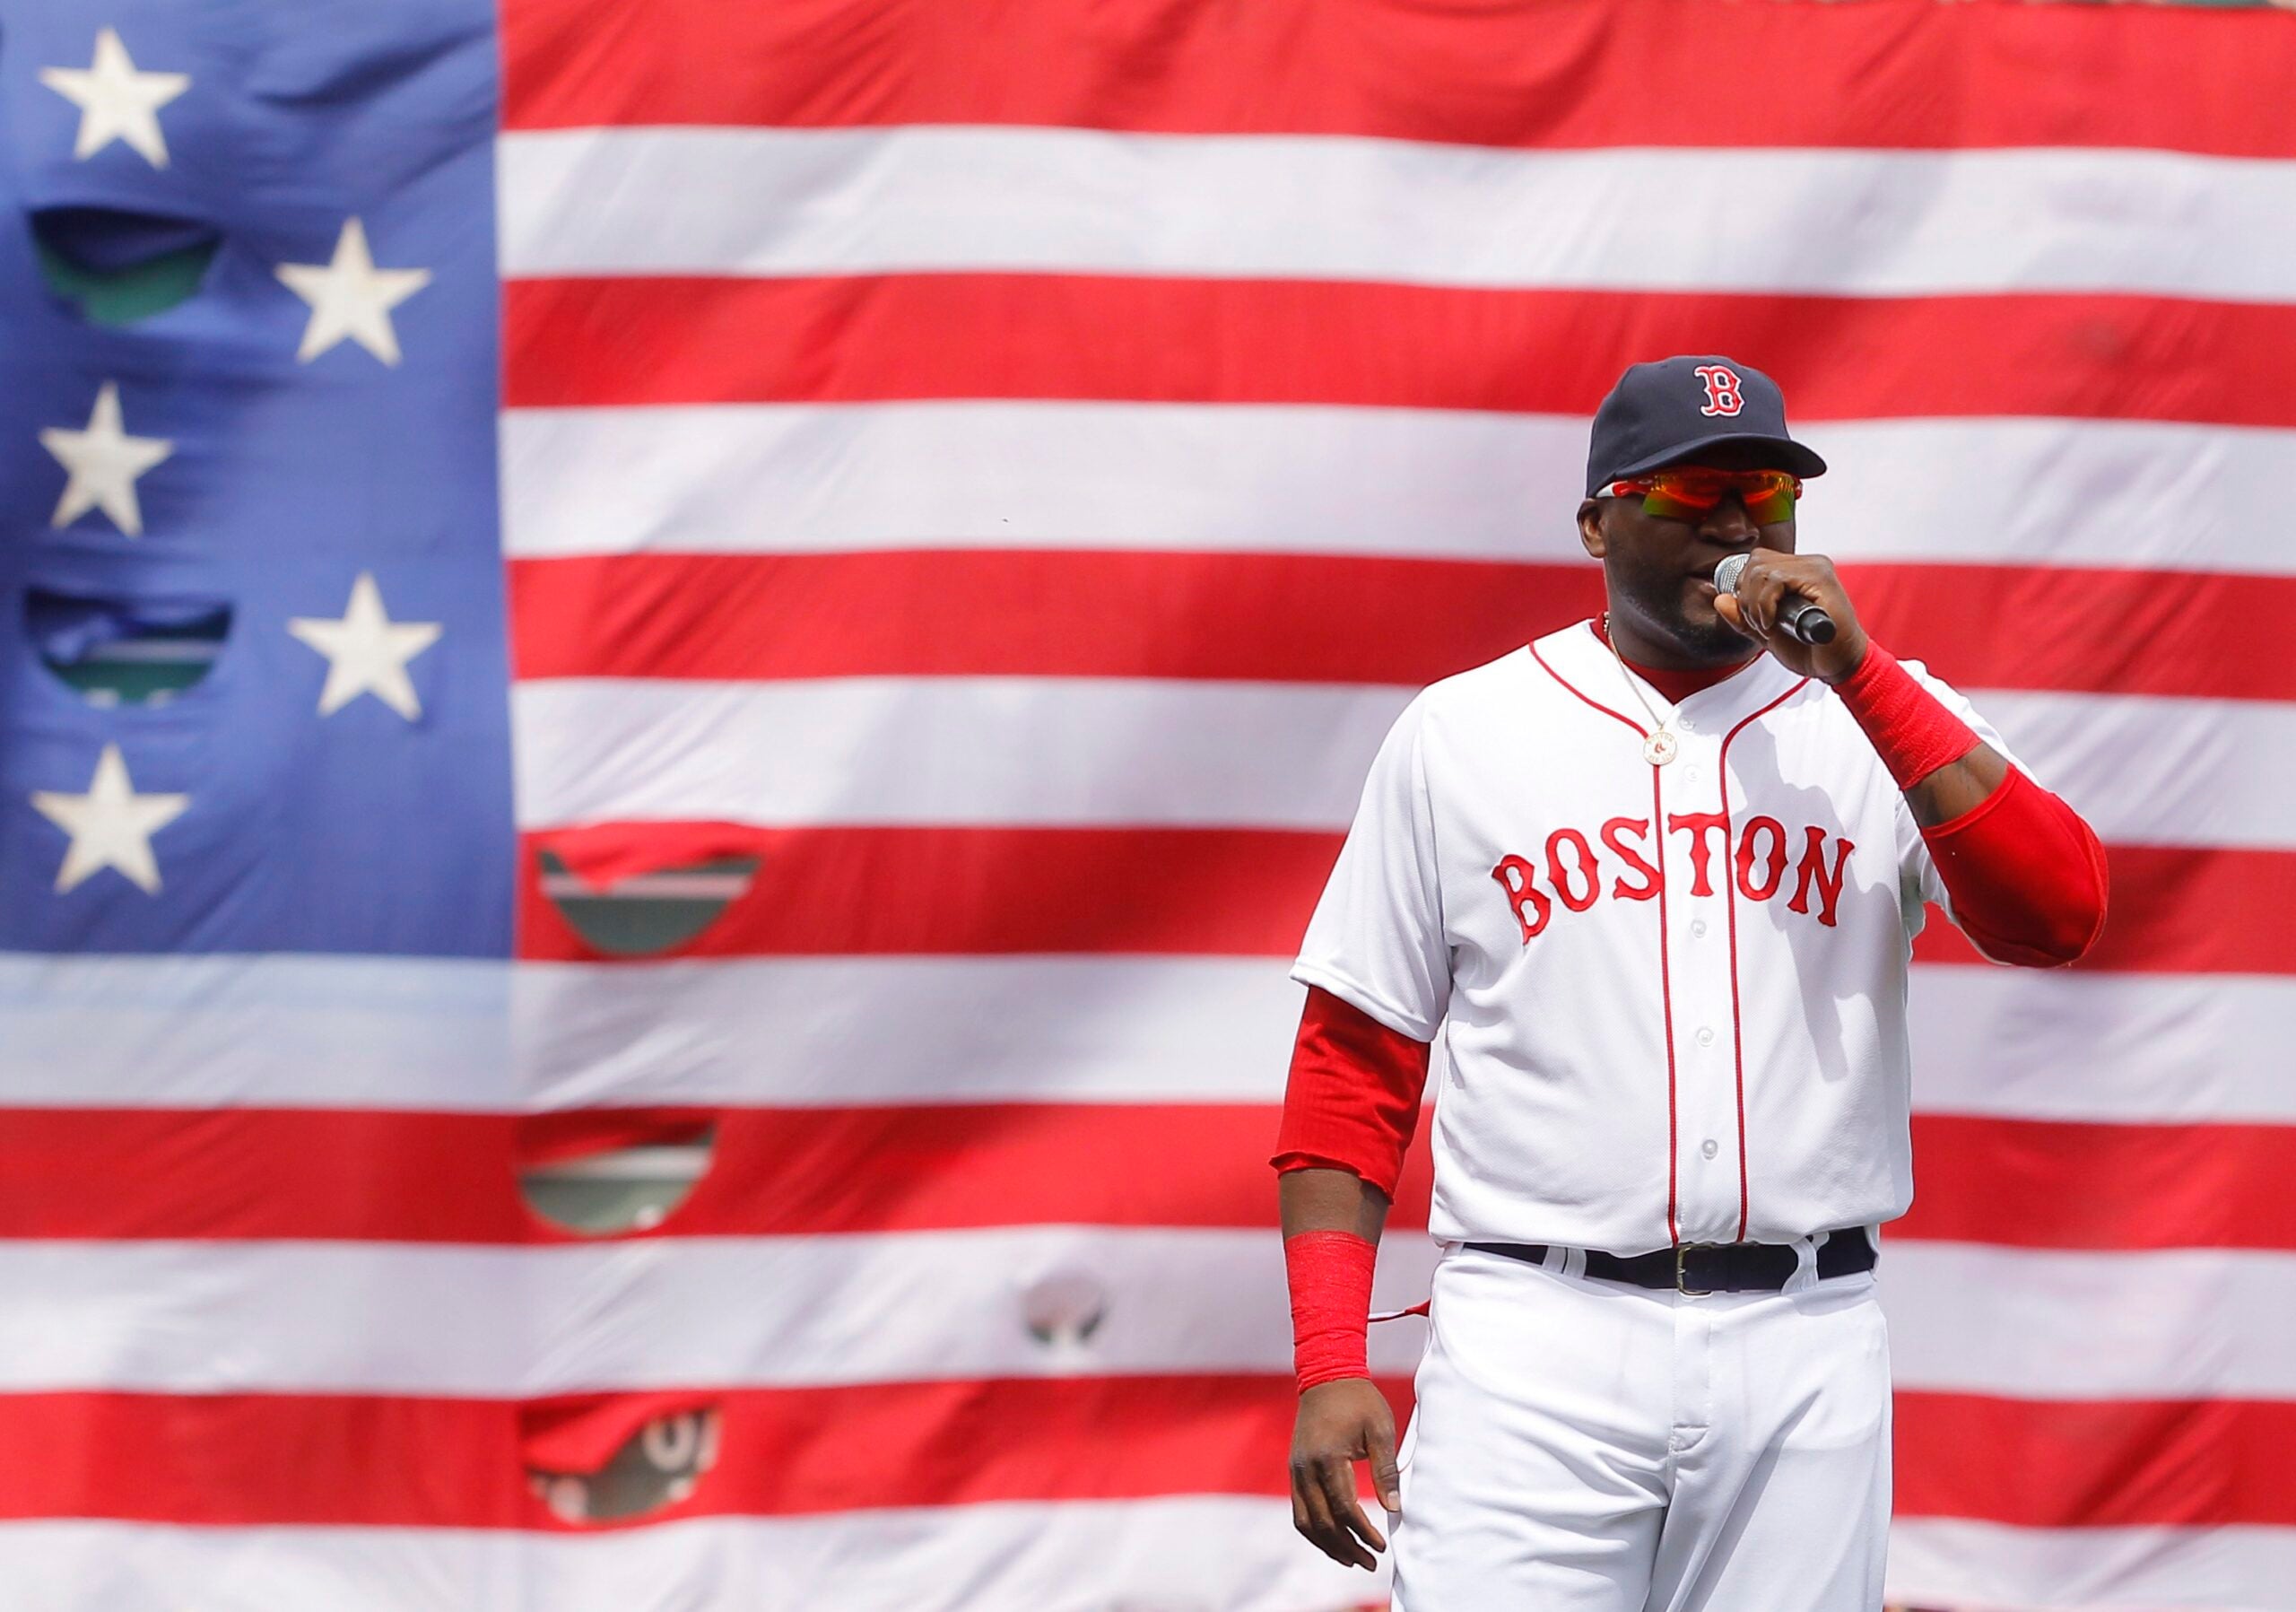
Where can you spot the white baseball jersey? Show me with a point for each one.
(1668, 1002)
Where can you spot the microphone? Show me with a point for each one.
(1803, 618)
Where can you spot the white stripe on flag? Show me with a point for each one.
(1243, 1558)
(1128, 752)
(2120, 1049)
(723, 201)
(209, 1032)
(831, 1032)
(734, 1312)
(1003, 751)
(2156, 1324)
(1233, 1552)
(215, 1317)
(1299, 478)
(285, 1032)
(1945, 1560)
(2151, 770)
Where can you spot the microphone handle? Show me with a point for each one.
(1806, 620)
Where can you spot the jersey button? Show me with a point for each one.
(1709, 1147)
(1705, 1038)
(1697, 928)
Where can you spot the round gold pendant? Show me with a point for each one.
(1658, 749)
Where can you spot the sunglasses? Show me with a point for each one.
(1693, 494)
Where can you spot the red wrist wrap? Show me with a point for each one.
(1331, 1304)
(1910, 729)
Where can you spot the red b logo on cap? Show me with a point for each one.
(1721, 389)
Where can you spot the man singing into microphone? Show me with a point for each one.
(1650, 883)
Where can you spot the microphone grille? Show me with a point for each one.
(1725, 575)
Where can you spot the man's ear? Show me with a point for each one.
(1590, 528)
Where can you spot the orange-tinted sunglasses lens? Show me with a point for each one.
(1769, 495)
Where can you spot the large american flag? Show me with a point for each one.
(940, 502)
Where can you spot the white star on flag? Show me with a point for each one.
(104, 461)
(111, 825)
(116, 102)
(366, 651)
(350, 297)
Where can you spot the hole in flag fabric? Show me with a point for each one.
(1063, 1308)
(126, 651)
(611, 1459)
(604, 1172)
(633, 900)
(115, 267)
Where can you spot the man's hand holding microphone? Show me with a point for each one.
(1794, 607)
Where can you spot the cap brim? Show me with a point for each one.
(1786, 454)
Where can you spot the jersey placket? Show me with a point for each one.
(1699, 968)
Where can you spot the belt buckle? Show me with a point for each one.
(1682, 1284)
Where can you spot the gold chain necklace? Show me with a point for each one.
(1658, 746)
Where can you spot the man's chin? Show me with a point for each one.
(1689, 623)
(1704, 636)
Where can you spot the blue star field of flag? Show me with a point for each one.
(308, 440)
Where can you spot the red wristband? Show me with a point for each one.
(1910, 729)
(1330, 1274)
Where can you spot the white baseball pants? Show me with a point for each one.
(1587, 1446)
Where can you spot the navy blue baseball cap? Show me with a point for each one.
(1672, 411)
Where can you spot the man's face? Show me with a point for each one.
(1660, 571)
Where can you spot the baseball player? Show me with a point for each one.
(1643, 895)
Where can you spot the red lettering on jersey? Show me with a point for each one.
(1584, 855)
(1699, 824)
(1614, 834)
(1757, 865)
(1813, 869)
(1521, 894)
(1775, 862)
(1722, 394)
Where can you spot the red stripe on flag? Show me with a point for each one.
(249, 1459)
(236, 1173)
(416, 1177)
(972, 891)
(2055, 1183)
(2177, 909)
(293, 1458)
(303, 1175)
(864, 338)
(1584, 73)
(1091, 613)
(2122, 1463)
(1323, 618)
(935, 890)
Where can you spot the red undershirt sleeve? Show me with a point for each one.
(1353, 1099)
(2026, 874)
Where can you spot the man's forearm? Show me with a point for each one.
(1936, 758)
(1349, 1111)
(1331, 1201)
(2026, 874)
(1957, 788)
(1331, 1237)
(1331, 1232)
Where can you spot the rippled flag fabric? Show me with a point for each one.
(827, 575)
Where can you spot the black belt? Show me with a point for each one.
(1696, 1267)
